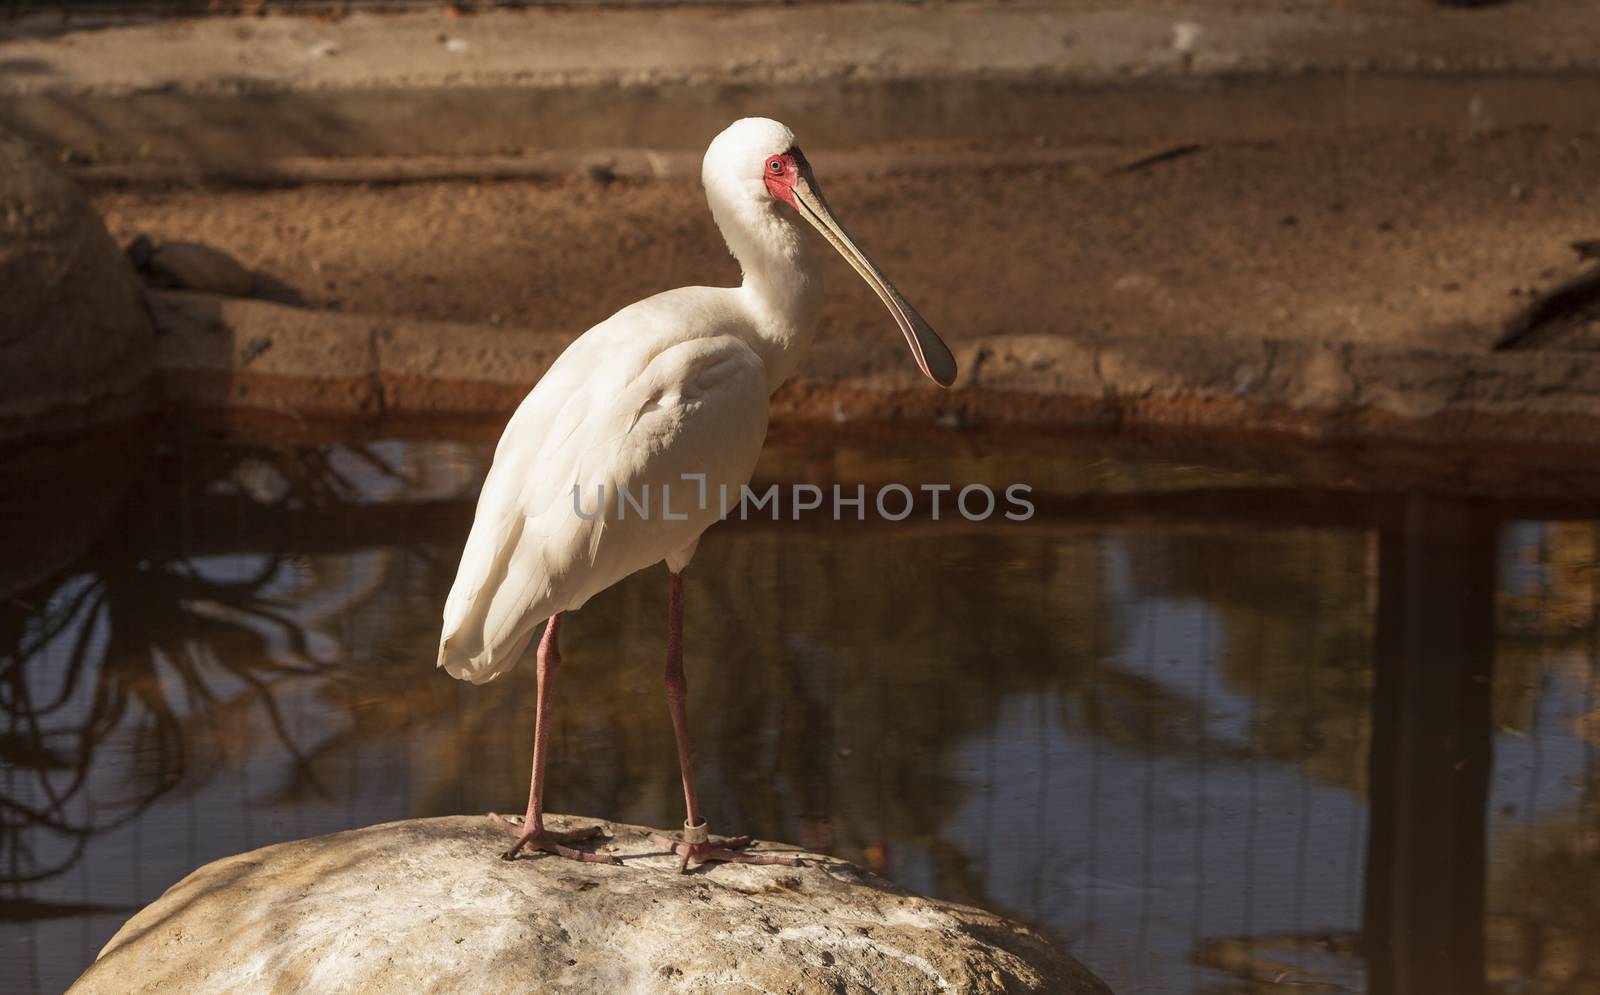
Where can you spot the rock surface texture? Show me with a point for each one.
(73, 326)
(425, 905)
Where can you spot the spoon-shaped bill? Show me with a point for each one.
(932, 355)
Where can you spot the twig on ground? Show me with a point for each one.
(1154, 158)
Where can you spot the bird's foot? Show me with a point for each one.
(698, 847)
(536, 837)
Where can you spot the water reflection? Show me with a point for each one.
(1141, 721)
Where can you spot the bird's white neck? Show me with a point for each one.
(782, 288)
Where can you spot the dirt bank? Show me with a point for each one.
(1349, 289)
(1398, 240)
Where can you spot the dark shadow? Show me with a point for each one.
(26, 67)
(1431, 755)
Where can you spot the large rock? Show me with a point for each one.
(74, 330)
(425, 905)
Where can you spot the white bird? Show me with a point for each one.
(666, 398)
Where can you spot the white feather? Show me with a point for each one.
(676, 384)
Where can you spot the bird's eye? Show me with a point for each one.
(776, 165)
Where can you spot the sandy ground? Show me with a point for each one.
(1397, 239)
(653, 43)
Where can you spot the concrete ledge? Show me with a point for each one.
(221, 352)
(1316, 389)
(240, 89)
(231, 354)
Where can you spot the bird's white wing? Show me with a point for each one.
(641, 412)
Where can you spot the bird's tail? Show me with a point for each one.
(486, 663)
(484, 630)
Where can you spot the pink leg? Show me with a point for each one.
(531, 832)
(705, 848)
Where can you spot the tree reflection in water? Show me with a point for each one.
(1144, 734)
(145, 653)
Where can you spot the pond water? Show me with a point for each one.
(1214, 722)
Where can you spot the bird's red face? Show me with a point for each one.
(782, 171)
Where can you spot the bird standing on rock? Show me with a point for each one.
(666, 397)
